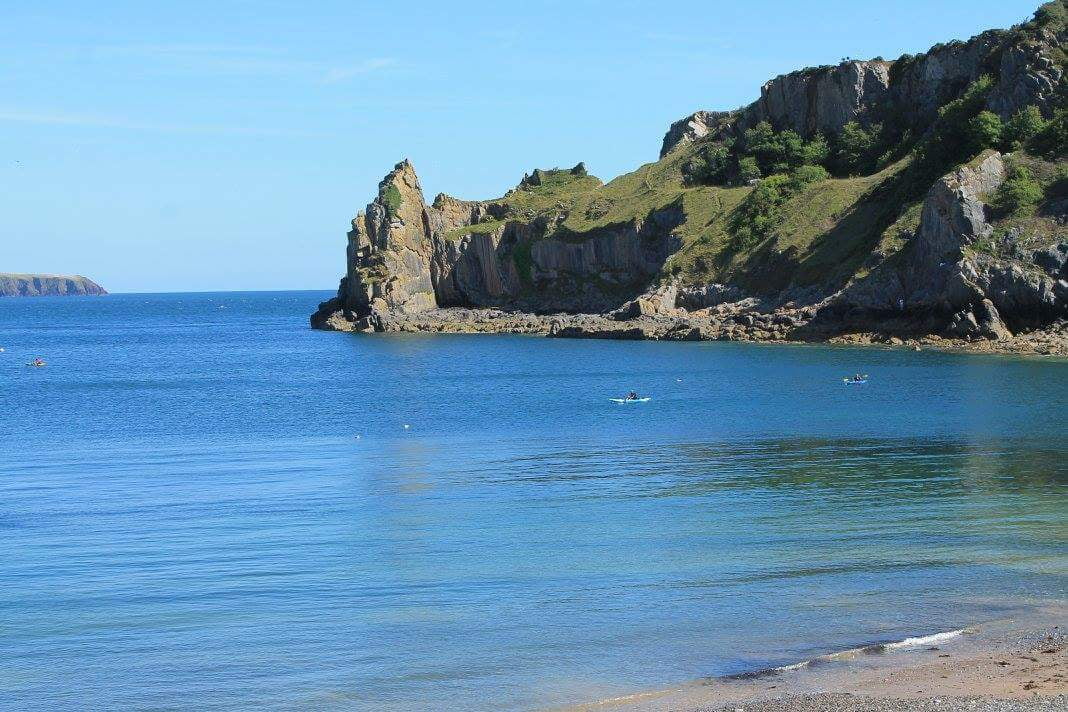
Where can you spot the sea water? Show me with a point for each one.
(204, 504)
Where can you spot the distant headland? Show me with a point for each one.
(47, 285)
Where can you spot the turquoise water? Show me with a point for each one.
(189, 521)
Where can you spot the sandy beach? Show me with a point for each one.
(1017, 663)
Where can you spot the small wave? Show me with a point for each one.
(926, 639)
(850, 653)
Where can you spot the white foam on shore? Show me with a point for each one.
(925, 640)
(850, 653)
(841, 655)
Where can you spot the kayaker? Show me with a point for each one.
(632, 396)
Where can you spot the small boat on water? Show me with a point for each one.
(631, 398)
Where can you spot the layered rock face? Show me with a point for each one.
(910, 89)
(47, 285)
(389, 249)
(405, 257)
(822, 100)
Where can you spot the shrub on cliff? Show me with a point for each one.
(761, 151)
(854, 150)
(1018, 193)
(748, 169)
(805, 175)
(1058, 187)
(954, 138)
(392, 199)
(1022, 127)
(782, 151)
(816, 152)
(761, 212)
(1052, 140)
(713, 166)
(984, 131)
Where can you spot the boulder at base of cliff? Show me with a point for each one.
(658, 302)
(981, 321)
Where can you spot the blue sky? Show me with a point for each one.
(226, 145)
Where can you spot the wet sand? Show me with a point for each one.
(1012, 664)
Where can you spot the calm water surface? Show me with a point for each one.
(188, 519)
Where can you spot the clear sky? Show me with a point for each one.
(188, 146)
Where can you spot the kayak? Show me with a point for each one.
(629, 400)
(850, 380)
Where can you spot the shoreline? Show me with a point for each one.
(748, 327)
(1022, 659)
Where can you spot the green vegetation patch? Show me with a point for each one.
(392, 198)
(485, 227)
(1019, 194)
(524, 263)
(557, 190)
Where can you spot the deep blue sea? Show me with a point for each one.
(204, 504)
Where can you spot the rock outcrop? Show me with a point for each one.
(47, 285)
(820, 100)
(943, 283)
(910, 89)
(690, 128)
(405, 257)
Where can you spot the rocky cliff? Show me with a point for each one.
(1028, 66)
(46, 285)
(946, 280)
(405, 256)
(955, 222)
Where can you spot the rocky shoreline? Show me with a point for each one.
(941, 292)
(727, 323)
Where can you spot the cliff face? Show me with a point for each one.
(46, 285)
(821, 100)
(389, 249)
(405, 257)
(911, 89)
(946, 282)
(912, 244)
